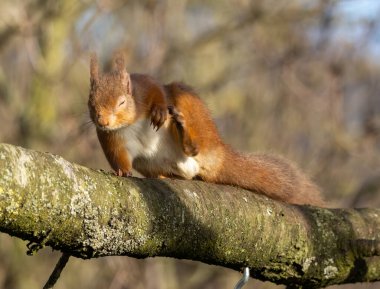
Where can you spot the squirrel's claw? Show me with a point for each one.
(176, 115)
(158, 116)
(120, 173)
(171, 109)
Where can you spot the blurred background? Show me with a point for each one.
(299, 78)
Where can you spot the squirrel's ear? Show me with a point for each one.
(119, 64)
(126, 81)
(124, 75)
(94, 69)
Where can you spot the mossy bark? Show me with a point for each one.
(88, 213)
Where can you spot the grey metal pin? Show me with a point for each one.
(243, 279)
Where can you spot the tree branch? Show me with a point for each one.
(85, 213)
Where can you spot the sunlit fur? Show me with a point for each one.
(156, 153)
(124, 128)
(128, 139)
(267, 174)
(104, 103)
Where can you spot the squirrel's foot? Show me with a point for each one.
(120, 173)
(158, 116)
(189, 147)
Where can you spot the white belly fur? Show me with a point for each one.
(159, 150)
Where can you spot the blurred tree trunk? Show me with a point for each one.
(47, 54)
(50, 201)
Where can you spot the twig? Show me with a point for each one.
(54, 276)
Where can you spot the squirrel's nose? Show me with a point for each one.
(102, 121)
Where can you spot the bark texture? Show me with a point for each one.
(86, 213)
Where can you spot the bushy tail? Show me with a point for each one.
(271, 176)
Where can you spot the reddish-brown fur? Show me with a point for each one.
(267, 174)
(199, 124)
(148, 100)
(194, 131)
(113, 149)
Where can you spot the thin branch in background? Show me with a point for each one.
(54, 276)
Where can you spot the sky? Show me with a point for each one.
(354, 16)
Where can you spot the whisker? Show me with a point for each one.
(85, 125)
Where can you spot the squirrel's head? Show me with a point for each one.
(110, 102)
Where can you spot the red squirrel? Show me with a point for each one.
(166, 130)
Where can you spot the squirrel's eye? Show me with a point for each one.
(121, 102)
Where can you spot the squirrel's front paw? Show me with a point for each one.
(158, 116)
(120, 173)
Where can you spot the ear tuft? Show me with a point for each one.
(119, 65)
(94, 69)
(119, 62)
(126, 81)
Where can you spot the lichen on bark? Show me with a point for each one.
(88, 213)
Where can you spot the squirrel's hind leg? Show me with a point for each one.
(190, 148)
